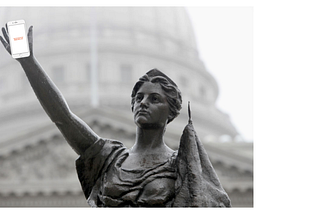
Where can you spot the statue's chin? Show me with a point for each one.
(144, 124)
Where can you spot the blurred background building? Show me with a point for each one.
(95, 55)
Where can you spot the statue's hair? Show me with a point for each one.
(171, 92)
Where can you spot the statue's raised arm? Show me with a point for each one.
(78, 134)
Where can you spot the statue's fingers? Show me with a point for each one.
(4, 32)
(5, 44)
(30, 38)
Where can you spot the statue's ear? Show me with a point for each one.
(171, 117)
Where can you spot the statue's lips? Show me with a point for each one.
(143, 112)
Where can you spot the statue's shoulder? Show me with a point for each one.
(102, 148)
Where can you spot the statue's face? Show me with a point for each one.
(151, 109)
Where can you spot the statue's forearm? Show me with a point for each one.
(78, 134)
(47, 93)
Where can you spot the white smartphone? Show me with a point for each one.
(18, 39)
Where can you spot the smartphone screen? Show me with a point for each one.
(18, 40)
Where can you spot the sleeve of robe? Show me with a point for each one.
(197, 184)
(93, 162)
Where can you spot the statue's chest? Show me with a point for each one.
(141, 186)
(143, 161)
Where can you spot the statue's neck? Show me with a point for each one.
(149, 141)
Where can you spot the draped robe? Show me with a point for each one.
(186, 179)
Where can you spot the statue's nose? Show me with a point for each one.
(144, 103)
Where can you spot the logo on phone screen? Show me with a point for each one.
(18, 38)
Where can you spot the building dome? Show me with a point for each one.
(122, 43)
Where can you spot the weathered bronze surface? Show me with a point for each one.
(149, 174)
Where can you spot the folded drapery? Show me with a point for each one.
(186, 179)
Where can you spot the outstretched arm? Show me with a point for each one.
(78, 134)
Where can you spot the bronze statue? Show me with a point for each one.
(149, 174)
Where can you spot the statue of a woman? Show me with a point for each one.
(149, 174)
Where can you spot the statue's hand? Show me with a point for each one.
(6, 42)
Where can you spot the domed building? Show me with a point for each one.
(94, 56)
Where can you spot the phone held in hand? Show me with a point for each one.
(18, 39)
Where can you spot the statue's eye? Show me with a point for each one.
(139, 97)
(155, 99)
